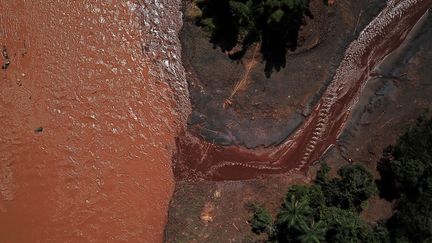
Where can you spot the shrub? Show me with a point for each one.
(261, 220)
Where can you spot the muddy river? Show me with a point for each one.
(87, 119)
(93, 95)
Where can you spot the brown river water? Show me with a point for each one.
(87, 119)
(93, 95)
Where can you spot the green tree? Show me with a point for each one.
(322, 175)
(335, 203)
(404, 168)
(380, 233)
(313, 233)
(413, 219)
(353, 187)
(312, 194)
(261, 220)
(344, 226)
(406, 175)
(294, 212)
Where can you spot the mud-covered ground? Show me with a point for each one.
(388, 105)
(401, 90)
(390, 102)
(267, 110)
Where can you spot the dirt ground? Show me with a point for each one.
(218, 212)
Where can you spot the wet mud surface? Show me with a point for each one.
(390, 102)
(200, 159)
(398, 91)
(87, 119)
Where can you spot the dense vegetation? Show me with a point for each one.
(328, 210)
(406, 176)
(273, 23)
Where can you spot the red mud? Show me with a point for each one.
(197, 159)
(86, 129)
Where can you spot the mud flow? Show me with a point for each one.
(87, 119)
(216, 157)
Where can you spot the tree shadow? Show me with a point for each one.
(222, 27)
(276, 38)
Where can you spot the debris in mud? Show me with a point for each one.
(207, 213)
(217, 194)
(39, 130)
(6, 58)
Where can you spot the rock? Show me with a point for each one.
(38, 130)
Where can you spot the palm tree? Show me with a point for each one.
(293, 212)
(315, 233)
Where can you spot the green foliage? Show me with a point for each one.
(311, 194)
(345, 226)
(380, 234)
(357, 185)
(413, 220)
(405, 168)
(313, 233)
(406, 175)
(308, 214)
(208, 24)
(261, 220)
(294, 211)
(276, 17)
(416, 143)
(351, 190)
(322, 174)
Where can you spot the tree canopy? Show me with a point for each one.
(406, 176)
(350, 190)
(313, 213)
